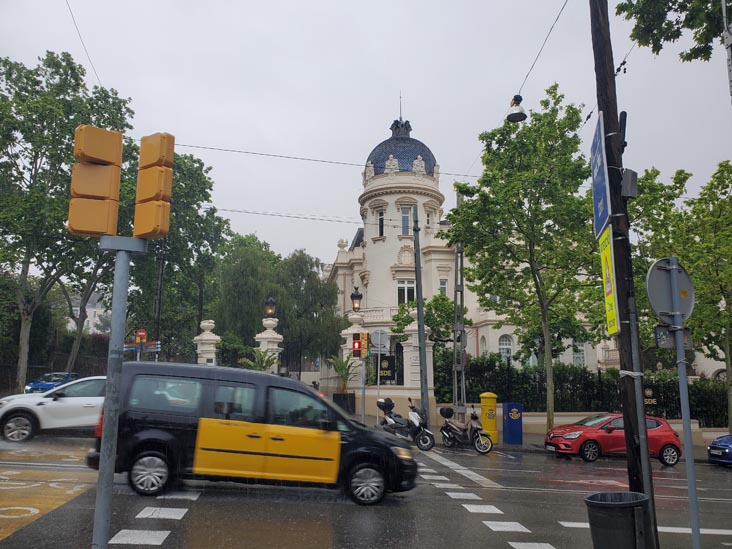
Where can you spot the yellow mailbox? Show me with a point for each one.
(488, 415)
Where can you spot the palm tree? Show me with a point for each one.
(262, 361)
(345, 368)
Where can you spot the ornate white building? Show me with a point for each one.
(401, 173)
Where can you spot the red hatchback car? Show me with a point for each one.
(603, 435)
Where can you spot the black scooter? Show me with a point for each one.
(414, 428)
(470, 434)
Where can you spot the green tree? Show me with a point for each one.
(657, 22)
(170, 282)
(438, 317)
(306, 309)
(345, 368)
(526, 229)
(39, 109)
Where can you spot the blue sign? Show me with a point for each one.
(600, 180)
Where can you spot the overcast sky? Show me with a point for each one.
(322, 79)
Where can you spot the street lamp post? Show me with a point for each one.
(356, 298)
(270, 307)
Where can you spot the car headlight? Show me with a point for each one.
(402, 453)
(573, 435)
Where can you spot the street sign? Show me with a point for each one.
(600, 180)
(665, 338)
(379, 341)
(141, 333)
(658, 289)
(607, 259)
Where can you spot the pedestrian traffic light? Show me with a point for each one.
(154, 186)
(356, 350)
(95, 181)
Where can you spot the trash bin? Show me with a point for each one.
(513, 427)
(620, 519)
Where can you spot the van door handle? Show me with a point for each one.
(88, 405)
(254, 436)
(278, 438)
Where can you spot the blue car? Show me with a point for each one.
(48, 381)
(720, 450)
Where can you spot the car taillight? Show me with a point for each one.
(98, 430)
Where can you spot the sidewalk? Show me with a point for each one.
(532, 442)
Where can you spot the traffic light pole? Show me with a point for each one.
(124, 248)
(424, 389)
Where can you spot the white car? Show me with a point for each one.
(75, 404)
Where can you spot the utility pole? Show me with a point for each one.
(459, 337)
(424, 390)
(639, 477)
(727, 37)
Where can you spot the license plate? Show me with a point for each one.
(716, 452)
(550, 447)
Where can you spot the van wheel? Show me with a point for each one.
(669, 455)
(149, 474)
(366, 484)
(590, 451)
(19, 427)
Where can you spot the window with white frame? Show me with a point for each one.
(505, 347)
(578, 358)
(405, 291)
(406, 212)
(483, 345)
(380, 217)
(443, 286)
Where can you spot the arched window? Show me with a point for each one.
(505, 347)
(483, 345)
(578, 359)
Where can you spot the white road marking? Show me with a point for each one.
(140, 537)
(473, 508)
(193, 496)
(425, 470)
(174, 513)
(434, 477)
(447, 485)
(509, 456)
(519, 545)
(665, 529)
(463, 495)
(459, 469)
(501, 526)
(17, 512)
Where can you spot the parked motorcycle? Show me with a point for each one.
(414, 428)
(470, 434)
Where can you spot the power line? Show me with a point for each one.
(542, 46)
(290, 157)
(99, 80)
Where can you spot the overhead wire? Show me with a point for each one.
(99, 80)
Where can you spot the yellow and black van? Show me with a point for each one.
(191, 421)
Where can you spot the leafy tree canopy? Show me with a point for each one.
(657, 22)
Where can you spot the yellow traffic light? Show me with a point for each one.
(95, 182)
(154, 186)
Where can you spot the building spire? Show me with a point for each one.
(400, 105)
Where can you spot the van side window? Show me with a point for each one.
(165, 394)
(235, 401)
(295, 409)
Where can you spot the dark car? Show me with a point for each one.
(603, 434)
(48, 381)
(720, 450)
(191, 421)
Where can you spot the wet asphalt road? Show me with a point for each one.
(528, 500)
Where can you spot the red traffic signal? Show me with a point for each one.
(356, 349)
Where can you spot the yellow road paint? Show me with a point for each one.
(28, 494)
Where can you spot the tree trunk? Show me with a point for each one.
(79, 321)
(549, 367)
(26, 320)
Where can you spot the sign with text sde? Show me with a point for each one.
(387, 369)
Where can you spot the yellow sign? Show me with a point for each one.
(608, 281)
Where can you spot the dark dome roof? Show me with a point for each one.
(404, 148)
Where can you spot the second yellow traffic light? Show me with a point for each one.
(154, 186)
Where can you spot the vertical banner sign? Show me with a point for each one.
(600, 180)
(608, 281)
